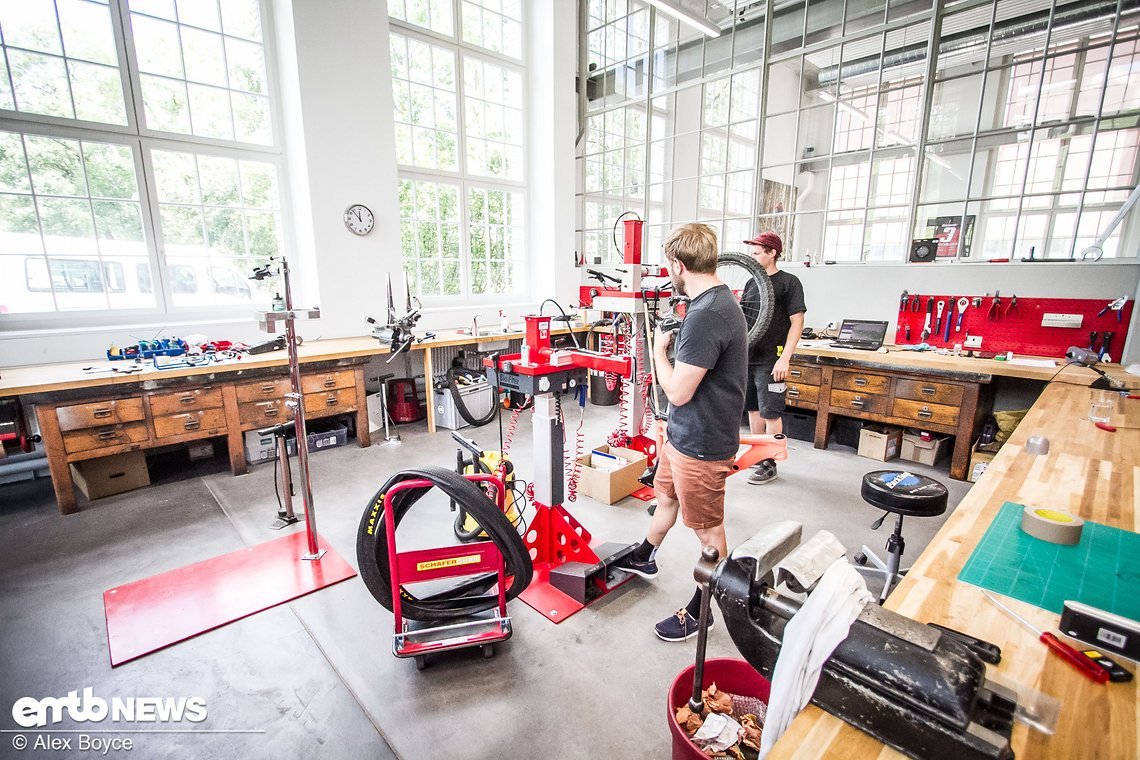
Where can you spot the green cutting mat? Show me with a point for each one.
(1103, 570)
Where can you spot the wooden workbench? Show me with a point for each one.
(951, 395)
(1089, 472)
(85, 415)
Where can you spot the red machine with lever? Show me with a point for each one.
(571, 569)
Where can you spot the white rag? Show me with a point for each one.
(810, 637)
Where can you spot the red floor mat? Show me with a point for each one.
(152, 613)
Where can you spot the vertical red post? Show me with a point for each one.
(633, 235)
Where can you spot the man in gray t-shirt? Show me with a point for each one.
(705, 389)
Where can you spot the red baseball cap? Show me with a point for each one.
(768, 240)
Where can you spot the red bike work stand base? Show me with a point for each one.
(569, 573)
(171, 607)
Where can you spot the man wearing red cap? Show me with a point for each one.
(769, 358)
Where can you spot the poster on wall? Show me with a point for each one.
(776, 207)
(947, 231)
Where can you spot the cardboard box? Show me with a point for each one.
(881, 442)
(108, 476)
(914, 449)
(979, 460)
(614, 485)
(200, 450)
(375, 402)
(259, 448)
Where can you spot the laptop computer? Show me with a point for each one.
(863, 334)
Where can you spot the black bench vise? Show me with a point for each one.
(903, 682)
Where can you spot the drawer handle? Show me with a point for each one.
(795, 373)
(860, 381)
(268, 388)
(108, 435)
(101, 413)
(186, 400)
(331, 400)
(330, 382)
(794, 392)
(271, 411)
(193, 424)
(925, 413)
(929, 391)
(857, 403)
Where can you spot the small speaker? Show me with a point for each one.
(923, 249)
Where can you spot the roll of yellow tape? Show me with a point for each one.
(1052, 525)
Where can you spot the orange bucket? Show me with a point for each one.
(731, 675)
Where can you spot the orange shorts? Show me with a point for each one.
(697, 483)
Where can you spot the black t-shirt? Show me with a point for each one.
(788, 297)
(712, 336)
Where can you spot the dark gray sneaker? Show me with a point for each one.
(678, 627)
(765, 472)
(646, 569)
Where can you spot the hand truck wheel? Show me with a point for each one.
(860, 558)
(488, 651)
(421, 661)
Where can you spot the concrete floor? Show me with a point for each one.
(316, 678)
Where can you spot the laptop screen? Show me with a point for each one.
(862, 331)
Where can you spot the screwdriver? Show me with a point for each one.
(1087, 667)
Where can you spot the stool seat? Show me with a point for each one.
(904, 493)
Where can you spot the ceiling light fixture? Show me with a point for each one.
(685, 16)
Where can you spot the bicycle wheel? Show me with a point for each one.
(752, 289)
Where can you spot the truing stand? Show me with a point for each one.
(295, 399)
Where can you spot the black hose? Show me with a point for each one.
(565, 318)
(461, 407)
(468, 597)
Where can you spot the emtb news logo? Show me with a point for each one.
(30, 712)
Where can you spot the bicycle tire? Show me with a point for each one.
(469, 596)
(753, 289)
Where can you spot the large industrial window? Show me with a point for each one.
(458, 87)
(138, 164)
(1002, 128)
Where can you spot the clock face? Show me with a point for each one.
(359, 219)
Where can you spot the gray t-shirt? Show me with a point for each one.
(713, 335)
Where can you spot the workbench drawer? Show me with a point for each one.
(922, 390)
(100, 413)
(867, 403)
(333, 402)
(939, 414)
(191, 399)
(861, 382)
(269, 412)
(106, 435)
(327, 381)
(801, 373)
(259, 390)
(798, 393)
(190, 422)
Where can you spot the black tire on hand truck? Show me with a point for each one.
(469, 596)
(743, 275)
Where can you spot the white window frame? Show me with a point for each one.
(141, 141)
(462, 178)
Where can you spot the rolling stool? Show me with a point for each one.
(904, 494)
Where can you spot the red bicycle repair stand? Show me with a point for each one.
(569, 573)
(413, 638)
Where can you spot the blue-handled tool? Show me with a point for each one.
(949, 319)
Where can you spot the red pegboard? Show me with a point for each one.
(1018, 330)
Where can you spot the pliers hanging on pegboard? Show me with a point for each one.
(995, 307)
(1013, 307)
(1117, 306)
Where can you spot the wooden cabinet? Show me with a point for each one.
(803, 386)
(79, 424)
(894, 396)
